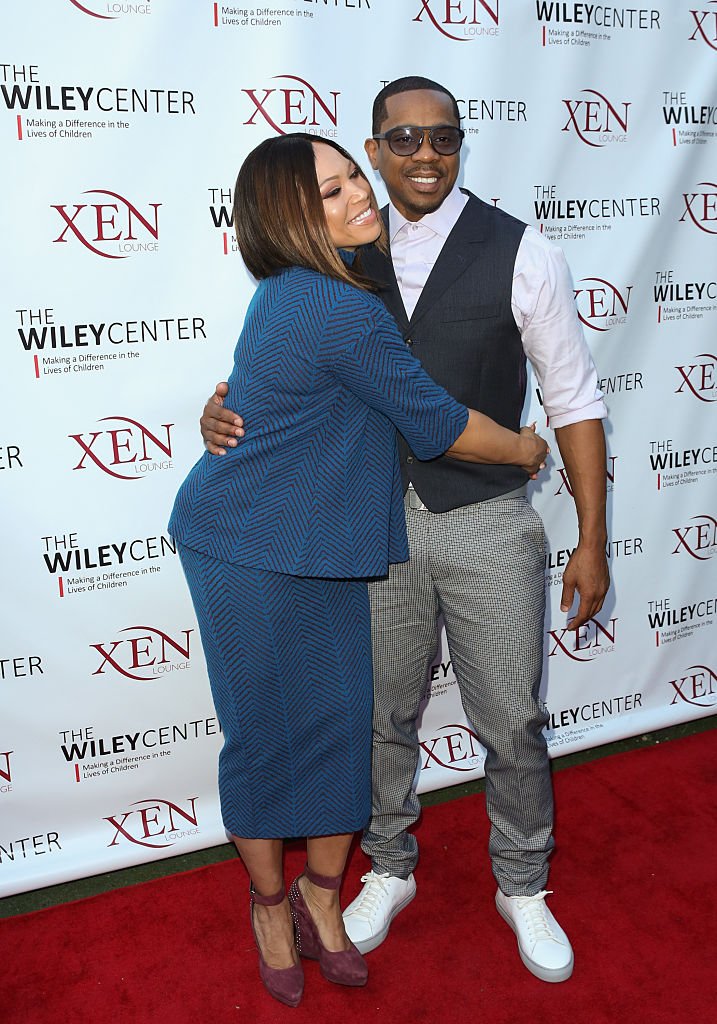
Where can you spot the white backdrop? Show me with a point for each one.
(123, 126)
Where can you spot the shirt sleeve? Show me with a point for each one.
(365, 351)
(543, 303)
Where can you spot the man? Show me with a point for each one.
(473, 291)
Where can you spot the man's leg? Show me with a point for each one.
(404, 611)
(490, 578)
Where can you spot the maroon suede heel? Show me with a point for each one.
(344, 967)
(283, 983)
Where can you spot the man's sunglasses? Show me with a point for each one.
(444, 139)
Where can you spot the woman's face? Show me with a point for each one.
(346, 197)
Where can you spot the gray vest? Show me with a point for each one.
(464, 334)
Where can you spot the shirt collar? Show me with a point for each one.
(440, 222)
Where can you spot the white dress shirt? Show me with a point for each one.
(542, 301)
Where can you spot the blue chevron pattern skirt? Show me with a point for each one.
(289, 663)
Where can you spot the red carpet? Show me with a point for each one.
(634, 881)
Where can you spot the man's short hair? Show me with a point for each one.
(409, 84)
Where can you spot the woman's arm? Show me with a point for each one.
(484, 440)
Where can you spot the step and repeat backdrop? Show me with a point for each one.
(123, 126)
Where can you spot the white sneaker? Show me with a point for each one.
(369, 917)
(543, 945)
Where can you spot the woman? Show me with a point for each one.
(291, 522)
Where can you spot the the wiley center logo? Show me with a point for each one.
(125, 452)
(145, 654)
(596, 120)
(461, 20)
(155, 823)
(293, 105)
(701, 207)
(601, 305)
(113, 227)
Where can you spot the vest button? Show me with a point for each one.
(409, 341)
(409, 459)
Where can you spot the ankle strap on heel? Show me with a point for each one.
(323, 881)
(267, 901)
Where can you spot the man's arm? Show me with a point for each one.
(220, 427)
(582, 447)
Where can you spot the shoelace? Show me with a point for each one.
(533, 911)
(371, 895)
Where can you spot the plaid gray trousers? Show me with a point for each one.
(482, 567)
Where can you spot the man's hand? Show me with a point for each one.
(219, 426)
(586, 572)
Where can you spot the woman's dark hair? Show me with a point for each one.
(278, 211)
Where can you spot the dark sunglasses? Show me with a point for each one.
(445, 139)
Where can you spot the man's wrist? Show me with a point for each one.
(594, 540)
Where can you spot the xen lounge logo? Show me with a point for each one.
(292, 107)
(699, 539)
(145, 655)
(119, 227)
(699, 378)
(596, 121)
(456, 747)
(565, 487)
(154, 823)
(461, 20)
(705, 23)
(696, 687)
(5, 772)
(134, 445)
(115, 9)
(600, 304)
(585, 643)
(701, 207)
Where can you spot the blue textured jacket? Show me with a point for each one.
(321, 377)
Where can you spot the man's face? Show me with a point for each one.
(416, 184)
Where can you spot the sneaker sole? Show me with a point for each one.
(544, 973)
(367, 945)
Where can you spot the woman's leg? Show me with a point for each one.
(326, 855)
(263, 859)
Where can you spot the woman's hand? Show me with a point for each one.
(536, 451)
(219, 426)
